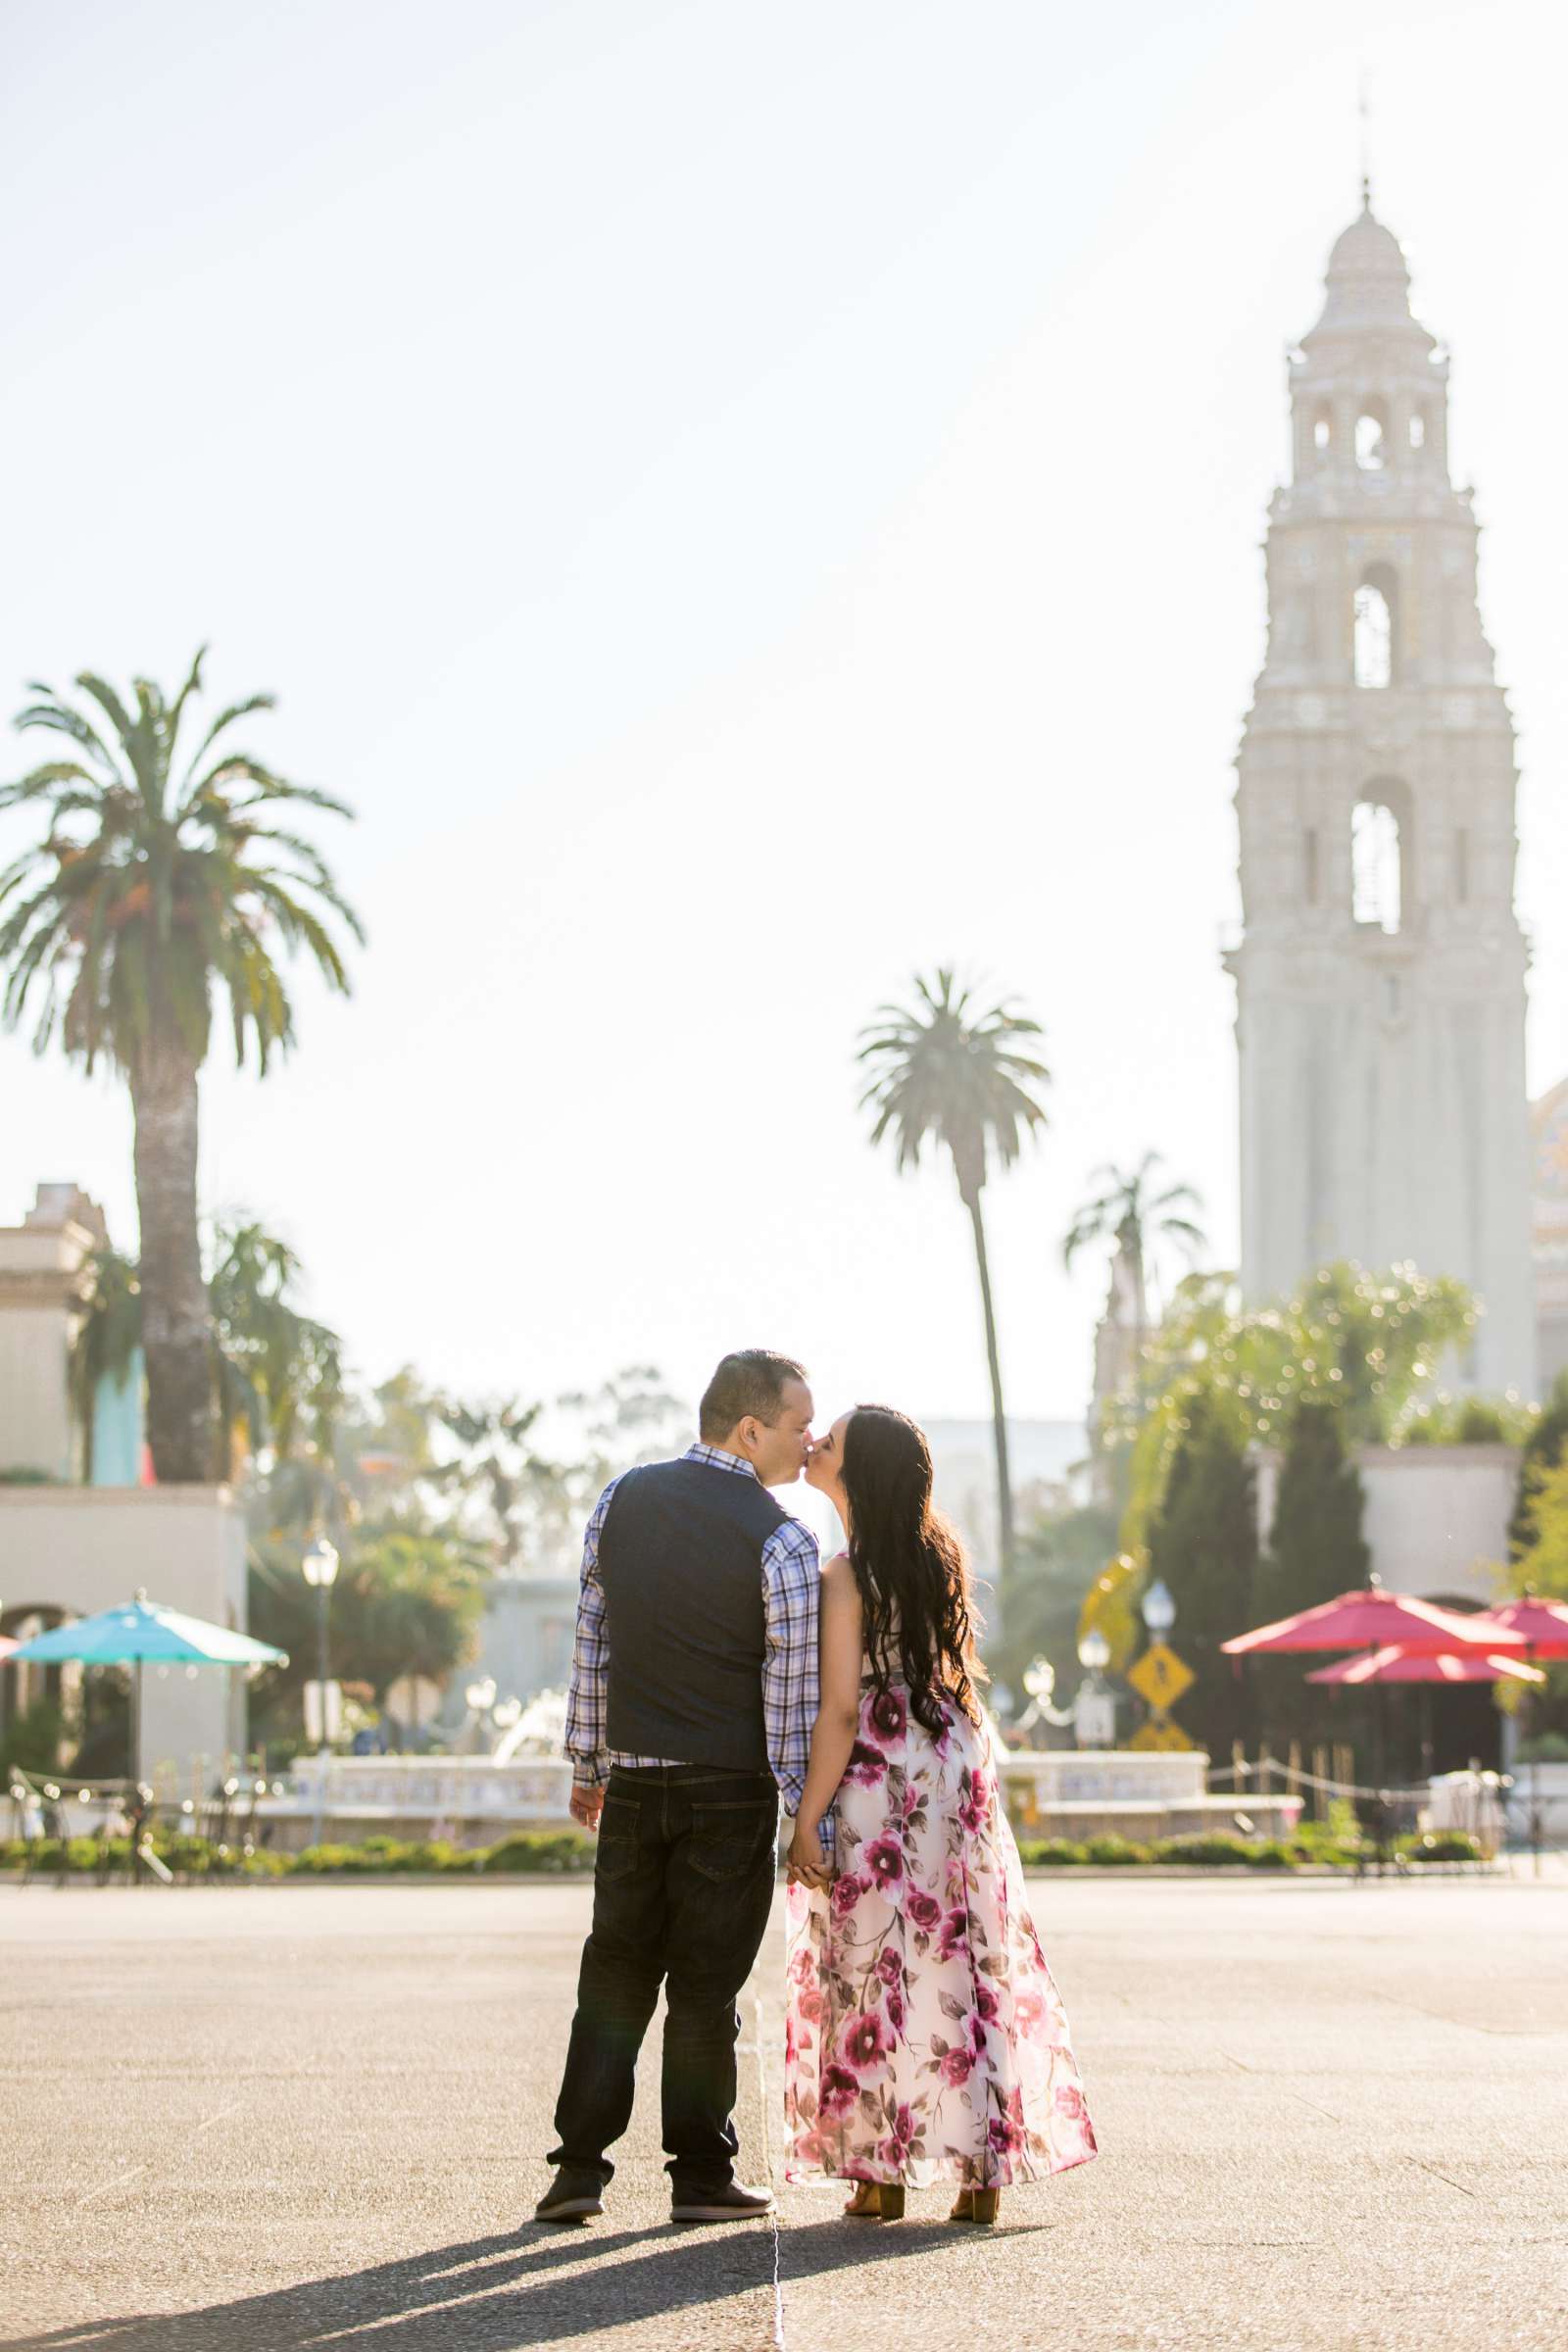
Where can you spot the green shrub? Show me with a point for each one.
(1215, 1848)
(541, 1850)
(1047, 1853)
(333, 1861)
(1441, 1845)
(1113, 1850)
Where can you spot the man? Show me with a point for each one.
(694, 1689)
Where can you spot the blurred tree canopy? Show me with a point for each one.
(1544, 1448)
(1364, 1341)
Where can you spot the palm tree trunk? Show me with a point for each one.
(176, 1321)
(999, 1418)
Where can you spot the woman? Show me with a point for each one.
(924, 2038)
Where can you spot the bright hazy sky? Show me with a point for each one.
(745, 502)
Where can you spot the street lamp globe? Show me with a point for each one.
(1094, 1651)
(1040, 1679)
(1158, 1609)
(319, 1563)
(481, 1697)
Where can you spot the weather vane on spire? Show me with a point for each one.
(1363, 108)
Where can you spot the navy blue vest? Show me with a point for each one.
(680, 1559)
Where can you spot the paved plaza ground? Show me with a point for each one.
(281, 2117)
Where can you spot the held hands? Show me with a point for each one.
(585, 1806)
(808, 1865)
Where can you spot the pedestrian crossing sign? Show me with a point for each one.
(1160, 1676)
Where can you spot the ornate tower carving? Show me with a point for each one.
(1381, 973)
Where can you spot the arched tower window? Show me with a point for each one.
(1375, 876)
(1374, 636)
(1371, 437)
(1323, 428)
(1418, 429)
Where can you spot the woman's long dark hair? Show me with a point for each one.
(908, 1565)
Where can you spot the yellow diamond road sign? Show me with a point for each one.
(1159, 1676)
(1160, 1736)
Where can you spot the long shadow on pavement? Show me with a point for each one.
(506, 2294)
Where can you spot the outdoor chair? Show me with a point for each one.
(52, 1824)
(1375, 1825)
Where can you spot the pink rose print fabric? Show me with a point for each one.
(924, 2038)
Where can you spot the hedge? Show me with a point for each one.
(1222, 1850)
(563, 1852)
(529, 1852)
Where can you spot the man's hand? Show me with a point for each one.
(808, 1865)
(585, 1805)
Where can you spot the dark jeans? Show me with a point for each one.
(683, 1885)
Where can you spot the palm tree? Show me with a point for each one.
(279, 1373)
(948, 1073)
(499, 1465)
(1126, 1210)
(158, 886)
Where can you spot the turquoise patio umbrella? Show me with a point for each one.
(134, 1631)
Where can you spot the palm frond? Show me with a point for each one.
(241, 766)
(177, 708)
(109, 702)
(57, 717)
(1184, 1231)
(227, 719)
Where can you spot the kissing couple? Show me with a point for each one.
(718, 1666)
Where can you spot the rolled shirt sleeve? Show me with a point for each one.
(792, 1599)
(588, 1698)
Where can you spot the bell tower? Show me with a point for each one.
(1380, 975)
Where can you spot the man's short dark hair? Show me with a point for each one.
(750, 1383)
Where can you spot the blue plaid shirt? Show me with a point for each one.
(791, 1594)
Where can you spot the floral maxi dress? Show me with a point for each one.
(924, 2038)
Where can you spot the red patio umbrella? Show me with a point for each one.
(1375, 1619)
(1395, 1665)
(1541, 1625)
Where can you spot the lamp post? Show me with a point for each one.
(479, 1698)
(1159, 1677)
(1158, 1609)
(320, 1570)
(1094, 1710)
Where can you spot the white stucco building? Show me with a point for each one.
(68, 1549)
(1381, 973)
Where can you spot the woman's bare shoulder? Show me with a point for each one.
(837, 1578)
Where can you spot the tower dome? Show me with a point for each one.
(1367, 282)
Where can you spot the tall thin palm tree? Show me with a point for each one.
(158, 886)
(945, 1073)
(1128, 1212)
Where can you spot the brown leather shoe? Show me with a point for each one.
(573, 2196)
(731, 2204)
